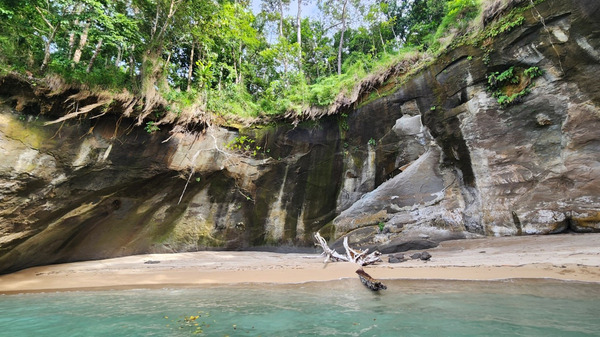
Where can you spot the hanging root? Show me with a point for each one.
(103, 101)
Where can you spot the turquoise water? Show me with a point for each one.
(341, 308)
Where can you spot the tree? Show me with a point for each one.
(274, 10)
(422, 19)
(337, 11)
(318, 51)
(211, 48)
(236, 35)
(380, 25)
(299, 31)
(50, 14)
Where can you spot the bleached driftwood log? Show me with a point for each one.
(355, 256)
(329, 253)
(352, 255)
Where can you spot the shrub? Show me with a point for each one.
(458, 16)
(510, 86)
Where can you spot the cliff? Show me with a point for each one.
(498, 136)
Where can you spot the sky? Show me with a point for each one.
(308, 10)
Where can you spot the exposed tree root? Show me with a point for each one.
(101, 102)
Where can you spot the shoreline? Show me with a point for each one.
(564, 257)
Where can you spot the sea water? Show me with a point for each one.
(340, 308)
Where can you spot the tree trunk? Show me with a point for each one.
(119, 55)
(132, 63)
(155, 24)
(96, 52)
(381, 38)
(341, 46)
(190, 70)
(167, 62)
(281, 33)
(280, 18)
(172, 10)
(299, 33)
(47, 47)
(72, 40)
(374, 44)
(82, 42)
(48, 42)
(220, 78)
(235, 69)
(78, 10)
(240, 63)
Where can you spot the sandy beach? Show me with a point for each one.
(572, 257)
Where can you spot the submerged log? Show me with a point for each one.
(369, 281)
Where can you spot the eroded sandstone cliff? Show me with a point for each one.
(437, 158)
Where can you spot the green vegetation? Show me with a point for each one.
(190, 58)
(459, 15)
(503, 25)
(246, 146)
(151, 127)
(533, 72)
(510, 86)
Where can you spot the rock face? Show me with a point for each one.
(438, 158)
(92, 189)
(529, 168)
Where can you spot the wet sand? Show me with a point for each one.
(570, 257)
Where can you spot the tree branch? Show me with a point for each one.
(172, 10)
(44, 17)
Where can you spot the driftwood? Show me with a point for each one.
(329, 253)
(352, 255)
(355, 256)
(370, 282)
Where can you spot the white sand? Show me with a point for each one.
(564, 257)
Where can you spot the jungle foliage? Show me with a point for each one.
(218, 55)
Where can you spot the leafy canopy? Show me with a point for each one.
(218, 56)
